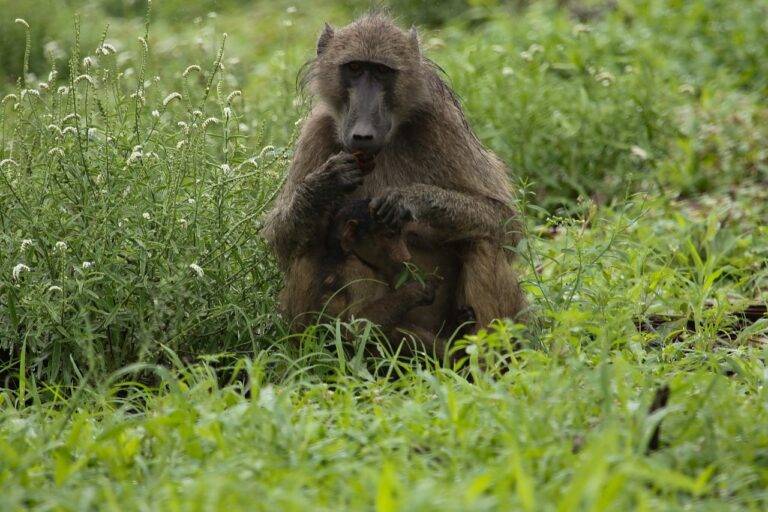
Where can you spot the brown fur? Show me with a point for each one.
(433, 162)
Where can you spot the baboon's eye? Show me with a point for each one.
(354, 67)
(382, 69)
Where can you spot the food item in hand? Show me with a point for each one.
(364, 160)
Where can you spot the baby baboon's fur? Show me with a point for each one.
(431, 164)
(362, 262)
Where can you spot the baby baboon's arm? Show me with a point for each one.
(389, 310)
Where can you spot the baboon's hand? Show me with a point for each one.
(390, 209)
(340, 174)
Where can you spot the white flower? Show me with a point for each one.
(69, 129)
(26, 243)
(605, 78)
(638, 153)
(23, 22)
(155, 113)
(226, 169)
(209, 121)
(170, 98)
(184, 223)
(87, 264)
(181, 144)
(89, 62)
(507, 71)
(197, 269)
(69, 117)
(144, 44)
(191, 200)
(63, 90)
(291, 10)
(106, 49)
(61, 246)
(146, 216)
(55, 288)
(233, 95)
(92, 133)
(43, 86)
(193, 67)
(17, 270)
(87, 78)
(135, 155)
(581, 28)
(227, 112)
(266, 150)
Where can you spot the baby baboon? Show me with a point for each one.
(363, 262)
(379, 96)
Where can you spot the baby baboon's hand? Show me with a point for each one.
(340, 174)
(422, 294)
(390, 209)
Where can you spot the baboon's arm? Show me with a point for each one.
(457, 216)
(316, 181)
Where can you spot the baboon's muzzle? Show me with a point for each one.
(368, 120)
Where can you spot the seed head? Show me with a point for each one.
(170, 98)
(55, 288)
(193, 67)
(209, 121)
(26, 243)
(61, 246)
(197, 269)
(233, 95)
(87, 265)
(87, 78)
(638, 153)
(17, 270)
(106, 49)
(22, 22)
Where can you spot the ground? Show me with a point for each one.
(144, 366)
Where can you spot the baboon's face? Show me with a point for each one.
(370, 77)
(366, 121)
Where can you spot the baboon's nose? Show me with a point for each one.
(361, 137)
(364, 139)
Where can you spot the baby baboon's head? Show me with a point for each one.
(355, 232)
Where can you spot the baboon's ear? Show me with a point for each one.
(325, 38)
(414, 38)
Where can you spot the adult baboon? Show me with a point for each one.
(380, 96)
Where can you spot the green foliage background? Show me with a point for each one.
(144, 367)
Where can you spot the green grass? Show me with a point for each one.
(144, 367)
